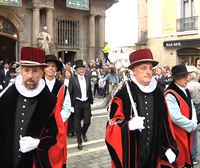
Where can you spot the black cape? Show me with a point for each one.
(42, 125)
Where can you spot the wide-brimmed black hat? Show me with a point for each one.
(78, 63)
(53, 58)
(179, 70)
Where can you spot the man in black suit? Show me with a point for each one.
(4, 76)
(81, 97)
(161, 79)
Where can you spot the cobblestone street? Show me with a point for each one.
(94, 153)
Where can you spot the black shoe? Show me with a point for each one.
(85, 138)
(80, 146)
(70, 135)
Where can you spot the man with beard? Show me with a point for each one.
(27, 124)
(146, 140)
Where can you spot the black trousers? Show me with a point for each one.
(106, 57)
(82, 111)
(71, 124)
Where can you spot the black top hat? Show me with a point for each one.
(12, 70)
(179, 70)
(53, 58)
(78, 63)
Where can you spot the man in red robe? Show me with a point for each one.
(146, 140)
(27, 125)
(182, 112)
(58, 152)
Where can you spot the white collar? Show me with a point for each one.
(51, 82)
(182, 88)
(66, 82)
(28, 93)
(80, 76)
(146, 89)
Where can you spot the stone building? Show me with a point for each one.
(171, 29)
(77, 28)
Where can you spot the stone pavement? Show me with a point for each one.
(94, 153)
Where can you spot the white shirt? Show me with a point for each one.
(82, 83)
(6, 70)
(182, 88)
(50, 84)
(66, 108)
(66, 82)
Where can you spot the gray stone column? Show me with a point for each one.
(36, 25)
(91, 37)
(101, 35)
(49, 19)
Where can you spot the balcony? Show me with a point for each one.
(187, 24)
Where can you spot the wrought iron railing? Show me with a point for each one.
(186, 24)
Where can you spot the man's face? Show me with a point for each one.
(6, 66)
(51, 69)
(31, 76)
(158, 71)
(80, 70)
(143, 73)
(183, 80)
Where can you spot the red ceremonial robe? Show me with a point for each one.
(122, 143)
(58, 152)
(184, 139)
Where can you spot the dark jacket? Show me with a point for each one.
(56, 87)
(75, 90)
(162, 81)
(4, 78)
(42, 125)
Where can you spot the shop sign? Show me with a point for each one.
(182, 43)
(11, 2)
(78, 4)
(173, 44)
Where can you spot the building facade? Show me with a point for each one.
(76, 28)
(171, 29)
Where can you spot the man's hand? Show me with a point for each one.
(28, 144)
(136, 123)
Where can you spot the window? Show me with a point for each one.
(188, 19)
(188, 8)
(67, 33)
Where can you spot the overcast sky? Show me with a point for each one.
(121, 23)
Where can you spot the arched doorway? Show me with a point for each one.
(188, 55)
(9, 38)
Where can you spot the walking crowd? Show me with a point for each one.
(153, 116)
